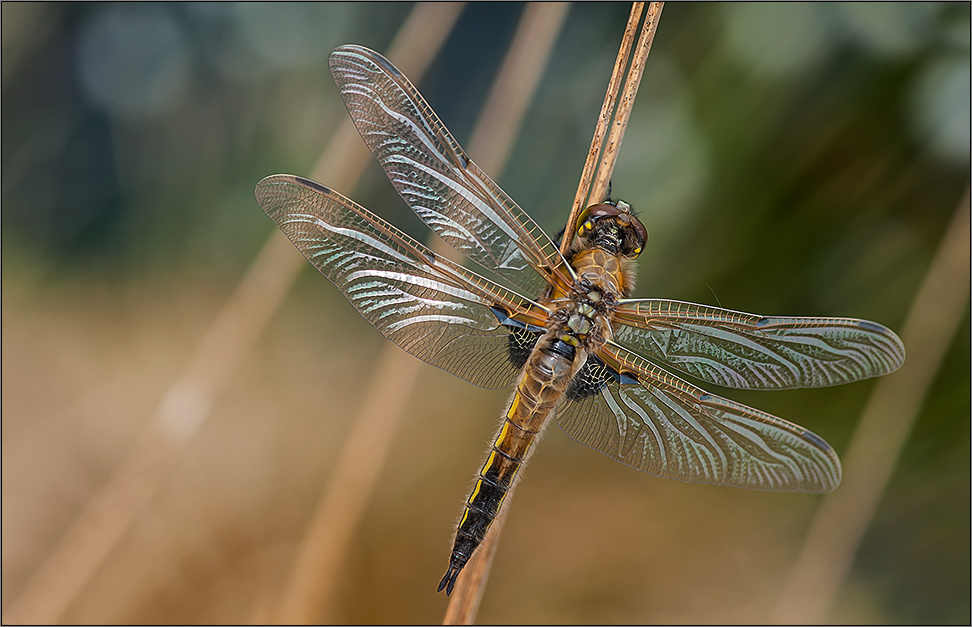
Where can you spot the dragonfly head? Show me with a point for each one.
(611, 226)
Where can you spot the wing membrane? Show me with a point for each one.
(670, 428)
(742, 350)
(434, 176)
(429, 306)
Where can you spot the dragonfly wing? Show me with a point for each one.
(435, 177)
(429, 306)
(660, 424)
(742, 350)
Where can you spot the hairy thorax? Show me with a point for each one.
(610, 273)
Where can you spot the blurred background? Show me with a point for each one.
(796, 159)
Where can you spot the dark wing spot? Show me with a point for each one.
(314, 185)
(522, 338)
(502, 316)
(816, 440)
(386, 64)
(430, 257)
(873, 327)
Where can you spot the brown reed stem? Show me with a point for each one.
(843, 518)
(603, 120)
(602, 179)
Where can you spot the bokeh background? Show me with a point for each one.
(794, 159)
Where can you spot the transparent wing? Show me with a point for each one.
(657, 423)
(435, 177)
(429, 306)
(742, 350)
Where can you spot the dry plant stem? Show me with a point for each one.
(465, 598)
(602, 178)
(321, 553)
(603, 120)
(107, 516)
(839, 525)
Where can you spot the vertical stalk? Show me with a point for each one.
(593, 184)
(603, 120)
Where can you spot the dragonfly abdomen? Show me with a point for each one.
(548, 371)
(507, 453)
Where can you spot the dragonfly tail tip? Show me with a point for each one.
(449, 580)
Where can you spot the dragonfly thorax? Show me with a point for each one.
(610, 273)
(582, 320)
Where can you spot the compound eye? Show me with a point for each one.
(594, 213)
(642, 235)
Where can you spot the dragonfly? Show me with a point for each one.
(563, 328)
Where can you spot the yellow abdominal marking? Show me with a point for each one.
(516, 471)
(513, 406)
(489, 462)
(503, 433)
(472, 497)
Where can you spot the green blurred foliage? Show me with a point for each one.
(794, 159)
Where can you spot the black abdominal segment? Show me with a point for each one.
(562, 348)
